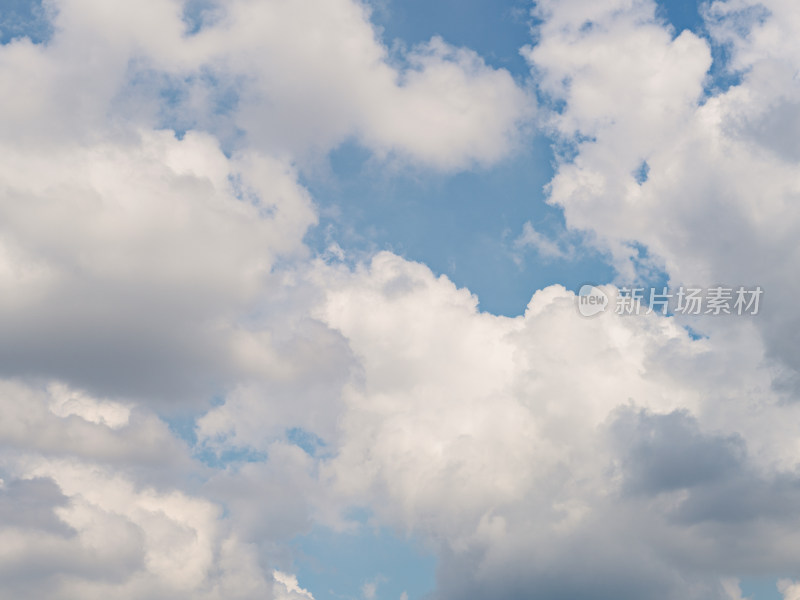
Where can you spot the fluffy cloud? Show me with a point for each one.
(789, 589)
(543, 456)
(131, 260)
(94, 501)
(520, 446)
(444, 107)
(287, 78)
(719, 201)
(524, 447)
(286, 588)
(159, 246)
(142, 265)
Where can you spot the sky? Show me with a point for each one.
(336, 300)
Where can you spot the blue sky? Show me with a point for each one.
(463, 225)
(338, 565)
(24, 18)
(229, 336)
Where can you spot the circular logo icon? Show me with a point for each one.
(591, 300)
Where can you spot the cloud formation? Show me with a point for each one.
(152, 223)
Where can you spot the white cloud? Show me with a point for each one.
(67, 402)
(428, 118)
(447, 109)
(732, 588)
(718, 205)
(122, 541)
(91, 508)
(101, 205)
(538, 454)
(789, 589)
(155, 246)
(68, 422)
(494, 438)
(369, 589)
(286, 588)
(293, 78)
(544, 246)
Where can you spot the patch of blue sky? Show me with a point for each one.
(309, 442)
(184, 427)
(202, 100)
(649, 268)
(642, 173)
(229, 457)
(566, 149)
(720, 77)
(25, 18)
(682, 14)
(198, 14)
(336, 566)
(694, 334)
(760, 588)
(333, 565)
(183, 424)
(494, 29)
(465, 226)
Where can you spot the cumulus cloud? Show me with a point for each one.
(289, 78)
(151, 234)
(445, 108)
(789, 589)
(286, 588)
(718, 202)
(99, 498)
(519, 446)
(131, 260)
(148, 196)
(88, 518)
(158, 245)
